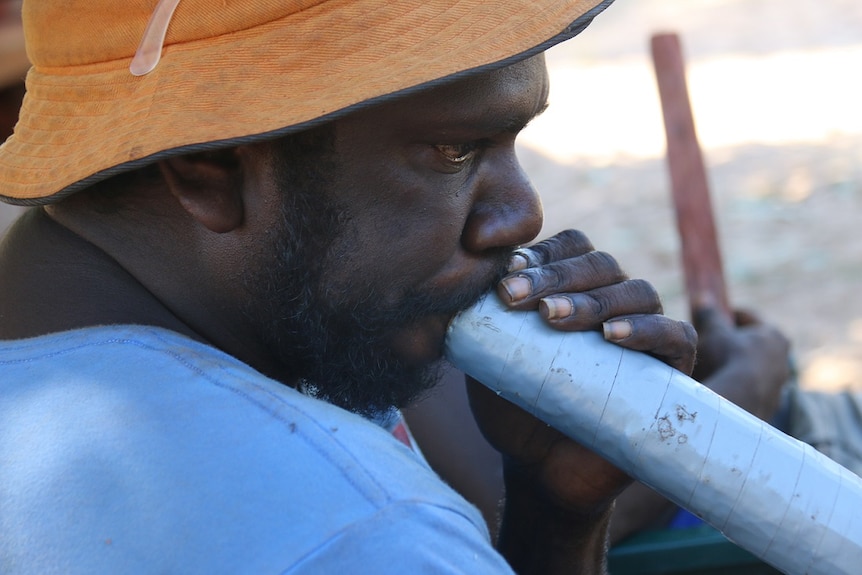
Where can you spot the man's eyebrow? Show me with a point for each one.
(515, 125)
(504, 123)
(539, 112)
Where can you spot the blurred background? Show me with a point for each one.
(776, 90)
(776, 87)
(13, 66)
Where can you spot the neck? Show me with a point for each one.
(54, 280)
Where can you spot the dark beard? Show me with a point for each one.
(335, 344)
(347, 358)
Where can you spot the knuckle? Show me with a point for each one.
(598, 304)
(576, 238)
(603, 264)
(544, 249)
(551, 279)
(690, 334)
(563, 245)
(646, 293)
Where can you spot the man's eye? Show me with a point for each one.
(457, 153)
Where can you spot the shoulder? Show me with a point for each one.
(131, 442)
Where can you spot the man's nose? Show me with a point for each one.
(507, 211)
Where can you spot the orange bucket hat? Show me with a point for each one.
(234, 71)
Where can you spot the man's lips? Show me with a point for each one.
(421, 342)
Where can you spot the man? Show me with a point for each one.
(246, 252)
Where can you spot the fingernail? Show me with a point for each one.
(518, 262)
(517, 287)
(556, 307)
(617, 330)
(523, 258)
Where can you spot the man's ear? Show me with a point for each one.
(208, 185)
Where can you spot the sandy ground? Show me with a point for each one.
(775, 86)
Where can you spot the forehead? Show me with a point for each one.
(504, 99)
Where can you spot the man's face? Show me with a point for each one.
(411, 217)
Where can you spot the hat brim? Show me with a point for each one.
(81, 126)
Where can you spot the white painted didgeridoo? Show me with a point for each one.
(777, 497)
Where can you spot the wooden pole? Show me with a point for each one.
(701, 256)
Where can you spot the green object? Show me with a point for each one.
(697, 550)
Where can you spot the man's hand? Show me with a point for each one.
(576, 288)
(558, 491)
(747, 363)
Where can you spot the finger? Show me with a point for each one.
(672, 341)
(711, 319)
(507, 427)
(587, 310)
(743, 317)
(566, 244)
(766, 338)
(592, 270)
